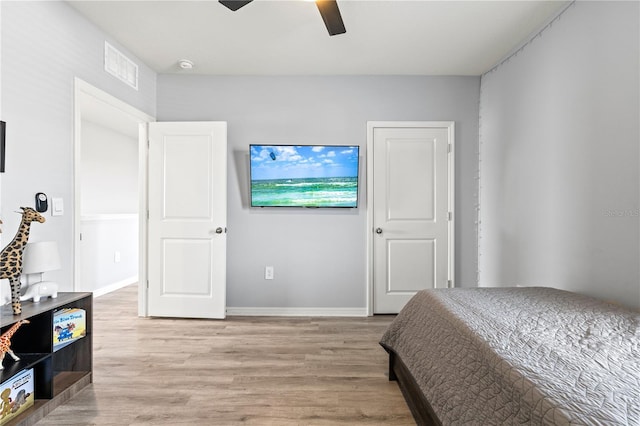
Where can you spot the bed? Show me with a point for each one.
(533, 355)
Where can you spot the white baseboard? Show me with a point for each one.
(115, 286)
(297, 312)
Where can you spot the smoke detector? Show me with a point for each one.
(185, 64)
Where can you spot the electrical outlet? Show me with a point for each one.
(268, 272)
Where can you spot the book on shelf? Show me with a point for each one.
(16, 395)
(68, 325)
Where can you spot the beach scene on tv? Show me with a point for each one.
(304, 175)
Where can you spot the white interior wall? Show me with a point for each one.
(109, 169)
(45, 45)
(319, 255)
(1, 116)
(109, 207)
(109, 252)
(559, 169)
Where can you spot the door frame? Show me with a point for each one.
(82, 88)
(371, 125)
(143, 223)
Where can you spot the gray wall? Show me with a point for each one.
(108, 208)
(109, 169)
(559, 154)
(319, 255)
(44, 46)
(102, 237)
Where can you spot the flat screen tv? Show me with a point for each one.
(304, 175)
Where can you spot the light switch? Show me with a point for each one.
(57, 207)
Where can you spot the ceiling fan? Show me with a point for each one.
(328, 10)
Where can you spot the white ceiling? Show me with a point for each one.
(288, 37)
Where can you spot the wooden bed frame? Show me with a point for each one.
(420, 408)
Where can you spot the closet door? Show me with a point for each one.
(187, 238)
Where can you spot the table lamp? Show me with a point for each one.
(37, 259)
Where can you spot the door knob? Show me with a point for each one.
(218, 230)
(378, 230)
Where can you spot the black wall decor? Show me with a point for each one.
(3, 127)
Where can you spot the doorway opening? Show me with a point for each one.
(106, 191)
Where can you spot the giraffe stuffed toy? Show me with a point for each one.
(5, 342)
(11, 256)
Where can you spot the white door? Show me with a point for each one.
(412, 194)
(187, 239)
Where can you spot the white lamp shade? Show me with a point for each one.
(40, 257)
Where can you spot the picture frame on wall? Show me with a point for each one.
(3, 127)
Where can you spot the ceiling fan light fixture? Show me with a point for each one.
(185, 64)
(328, 9)
(331, 16)
(234, 5)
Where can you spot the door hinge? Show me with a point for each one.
(450, 216)
(81, 236)
(449, 147)
(147, 214)
(147, 284)
(449, 284)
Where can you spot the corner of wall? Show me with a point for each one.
(479, 188)
(1, 6)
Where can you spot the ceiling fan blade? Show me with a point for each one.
(235, 4)
(331, 16)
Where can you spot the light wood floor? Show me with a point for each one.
(243, 370)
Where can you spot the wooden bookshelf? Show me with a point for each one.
(58, 373)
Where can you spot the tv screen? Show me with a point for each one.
(304, 175)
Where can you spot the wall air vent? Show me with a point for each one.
(119, 66)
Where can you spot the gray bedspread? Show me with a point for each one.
(534, 355)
